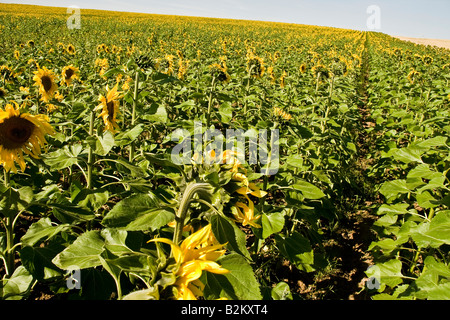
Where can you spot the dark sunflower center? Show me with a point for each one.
(15, 132)
(110, 107)
(47, 83)
(68, 74)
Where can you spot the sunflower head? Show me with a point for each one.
(220, 72)
(110, 109)
(303, 68)
(427, 60)
(70, 49)
(413, 75)
(321, 72)
(7, 73)
(21, 133)
(45, 79)
(255, 65)
(68, 74)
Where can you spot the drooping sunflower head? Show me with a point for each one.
(101, 65)
(182, 68)
(7, 73)
(45, 79)
(110, 109)
(21, 133)
(255, 65)
(219, 72)
(427, 60)
(413, 75)
(68, 74)
(321, 72)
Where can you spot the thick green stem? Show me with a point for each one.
(133, 113)
(188, 196)
(9, 246)
(91, 159)
(208, 114)
(9, 229)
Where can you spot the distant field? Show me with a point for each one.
(155, 157)
(431, 42)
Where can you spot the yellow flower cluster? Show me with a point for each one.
(197, 253)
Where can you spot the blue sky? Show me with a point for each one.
(413, 18)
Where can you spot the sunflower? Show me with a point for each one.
(45, 79)
(321, 72)
(70, 49)
(427, 60)
(281, 113)
(7, 73)
(21, 133)
(413, 75)
(101, 65)
(255, 65)
(182, 68)
(220, 72)
(110, 108)
(282, 79)
(271, 74)
(68, 74)
(303, 68)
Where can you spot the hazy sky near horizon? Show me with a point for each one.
(413, 18)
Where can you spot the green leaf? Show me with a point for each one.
(240, 283)
(13, 201)
(18, 285)
(281, 292)
(127, 210)
(226, 111)
(392, 189)
(107, 261)
(151, 220)
(92, 200)
(82, 253)
(227, 232)
(60, 159)
(67, 212)
(38, 261)
(43, 229)
(432, 282)
(145, 294)
(271, 223)
(104, 144)
(156, 114)
(308, 190)
(295, 161)
(408, 154)
(398, 208)
(126, 137)
(388, 273)
(297, 250)
(434, 233)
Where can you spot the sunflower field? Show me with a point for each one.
(346, 197)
